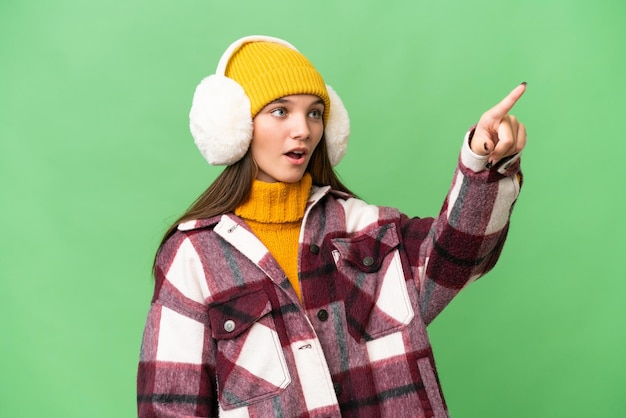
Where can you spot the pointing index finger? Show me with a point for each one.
(508, 102)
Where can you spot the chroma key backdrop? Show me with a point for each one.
(96, 160)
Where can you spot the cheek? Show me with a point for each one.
(261, 140)
(318, 138)
(317, 133)
(256, 149)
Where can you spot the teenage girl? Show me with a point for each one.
(279, 293)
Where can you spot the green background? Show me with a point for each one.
(96, 160)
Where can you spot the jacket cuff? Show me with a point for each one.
(469, 158)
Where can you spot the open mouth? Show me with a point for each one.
(295, 155)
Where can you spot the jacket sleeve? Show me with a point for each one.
(175, 375)
(466, 239)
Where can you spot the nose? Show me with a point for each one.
(300, 129)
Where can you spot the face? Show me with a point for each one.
(286, 132)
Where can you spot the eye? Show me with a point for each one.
(279, 112)
(316, 113)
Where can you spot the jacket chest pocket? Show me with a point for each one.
(372, 283)
(250, 364)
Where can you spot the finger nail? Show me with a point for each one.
(524, 83)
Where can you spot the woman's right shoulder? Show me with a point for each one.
(187, 231)
(198, 224)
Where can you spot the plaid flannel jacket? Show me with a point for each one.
(227, 336)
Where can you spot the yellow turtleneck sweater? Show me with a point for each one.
(274, 212)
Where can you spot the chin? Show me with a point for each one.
(282, 174)
(290, 178)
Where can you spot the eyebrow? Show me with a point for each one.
(283, 100)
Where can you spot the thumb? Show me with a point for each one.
(481, 144)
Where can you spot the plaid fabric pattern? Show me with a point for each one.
(227, 336)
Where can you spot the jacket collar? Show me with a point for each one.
(317, 193)
(198, 223)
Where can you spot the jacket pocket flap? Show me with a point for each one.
(232, 317)
(367, 250)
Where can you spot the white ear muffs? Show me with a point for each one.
(220, 120)
(337, 129)
(221, 123)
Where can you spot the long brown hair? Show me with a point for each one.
(232, 187)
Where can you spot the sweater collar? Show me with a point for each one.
(276, 202)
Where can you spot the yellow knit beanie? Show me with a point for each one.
(268, 71)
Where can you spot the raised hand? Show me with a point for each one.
(499, 134)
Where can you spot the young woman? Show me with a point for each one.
(281, 294)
